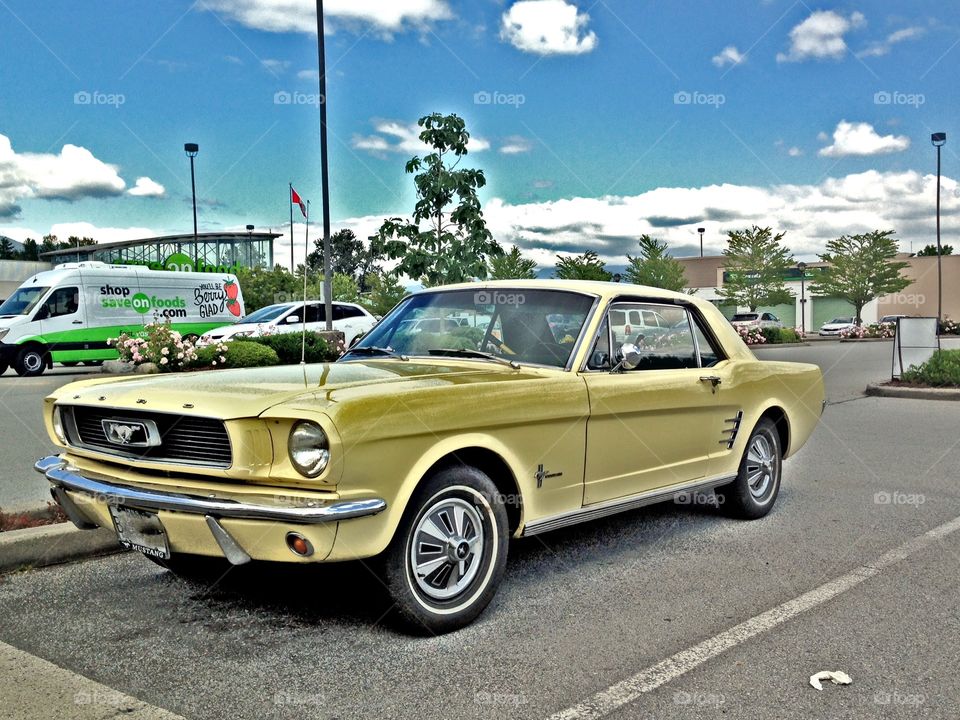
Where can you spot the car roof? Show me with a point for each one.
(592, 287)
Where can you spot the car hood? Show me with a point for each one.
(835, 326)
(231, 394)
(11, 320)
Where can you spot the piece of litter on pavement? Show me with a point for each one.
(837, 677)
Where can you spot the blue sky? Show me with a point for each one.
(594, 121)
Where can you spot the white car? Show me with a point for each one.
(837, 325)
(756, 320)
(350, 319)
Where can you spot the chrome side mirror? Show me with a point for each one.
(629, 357)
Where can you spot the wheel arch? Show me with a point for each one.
(778, 416)
(39, 345)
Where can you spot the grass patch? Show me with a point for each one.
(50, 515)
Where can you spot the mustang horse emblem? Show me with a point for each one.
(121, 434)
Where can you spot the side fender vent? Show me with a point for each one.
(732, 431)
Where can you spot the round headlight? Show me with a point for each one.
(58, 425)
(309, 449)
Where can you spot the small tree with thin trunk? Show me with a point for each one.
(583, 267)
(654, 267)
(754, 269)
(861, 268)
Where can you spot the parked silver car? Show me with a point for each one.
(837, 325)
(756, 320)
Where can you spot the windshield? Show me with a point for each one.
(745, 316)
(838, 321)
(271, 312)
(539, 327)
(23, 301)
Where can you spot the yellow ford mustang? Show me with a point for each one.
(469, 415)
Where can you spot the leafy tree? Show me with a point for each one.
(74, 242)
(654, 267)
(345, 288)
(385, 292)
(262, 287)
(861, 267)
(512, 266)
(49, 244)
(931, 251)
(583, 267)
(754, 268)
(455, 245)
(7, 251)
(349, 257)
(31, 250)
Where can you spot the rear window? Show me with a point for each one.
(745, 317)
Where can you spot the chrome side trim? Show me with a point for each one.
(230, 547)
(734, 430)
(618, 505)
(62, 476)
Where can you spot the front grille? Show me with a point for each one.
(184, 440)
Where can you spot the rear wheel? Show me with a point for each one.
(31, 361)
(446, 561)
(755, 490)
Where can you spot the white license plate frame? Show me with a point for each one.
(141, 531)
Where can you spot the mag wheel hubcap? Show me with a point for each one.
(447, 547)
(762, 466)
(32, 361)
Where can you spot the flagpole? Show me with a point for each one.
(290, 203)
(306, 247)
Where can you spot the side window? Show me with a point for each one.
(339, 312)
(600, 355)
(63, 301)
(650, 319)
(315, 313)
(709, 354)
(664, 339)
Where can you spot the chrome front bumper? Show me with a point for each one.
(64, 478)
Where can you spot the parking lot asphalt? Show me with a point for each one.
(641, 615)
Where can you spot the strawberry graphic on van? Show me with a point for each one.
(234, 307)
(231, 289)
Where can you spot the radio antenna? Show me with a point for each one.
(303, 314)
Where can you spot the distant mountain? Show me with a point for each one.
(17, 247)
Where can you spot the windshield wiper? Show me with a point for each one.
(456, 352)
(374, 350)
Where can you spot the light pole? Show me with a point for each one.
(939, 139)
(191, 149)
(802, 267)
(701, 231)
(324, 173)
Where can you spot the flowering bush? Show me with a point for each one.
(873, 330)
(158, 343)
(752, 336)
(949, 327)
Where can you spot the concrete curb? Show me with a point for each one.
(778, 345)
(863, 340)
(52, 545)
(913, 393)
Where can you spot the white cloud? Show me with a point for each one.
(146, 187)
(547, 27)
(308, 75)
(811, 214)
(728, 56)
(71, 174)
(516, 145)
(300, 15)
(275, 66)
(82, 229)
(883, 47)
(393, 136)
(861, 139)
(794, 152)
(821, 36)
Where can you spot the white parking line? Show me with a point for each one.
(631, 689)
(34, 689)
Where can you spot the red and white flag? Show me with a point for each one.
(295, 198)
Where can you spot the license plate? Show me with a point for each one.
(138, 530)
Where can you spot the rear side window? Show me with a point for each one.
(63, 301)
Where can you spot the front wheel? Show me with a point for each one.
(755, 490)
(31, 362)
(448, 557)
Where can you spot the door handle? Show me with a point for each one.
(77, 322)
(713, 380)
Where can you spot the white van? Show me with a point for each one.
(66, 315)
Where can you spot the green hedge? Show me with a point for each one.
(942, 370)
(288, 347)
(776, 336)
(239, 354)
